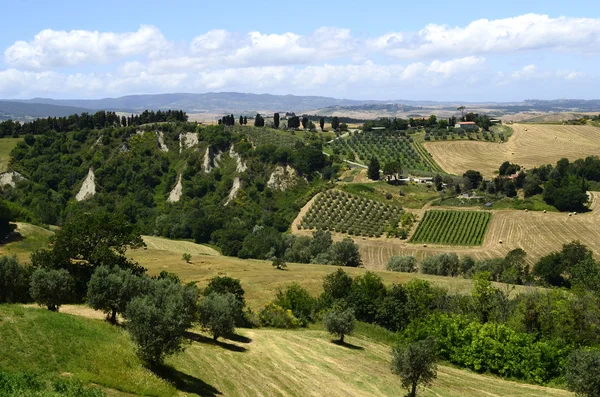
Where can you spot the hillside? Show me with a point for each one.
(16, 110)
(273, 362)
(529, 146)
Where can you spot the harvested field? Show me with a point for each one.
(178, 246)
(531, 145)
(536, 232)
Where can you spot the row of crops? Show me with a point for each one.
(452, 227)
(386, 146)
(343, 212)
(443, 135)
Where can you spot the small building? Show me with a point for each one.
(467, 125)
(423, 179)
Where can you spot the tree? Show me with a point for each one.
(472, 179)
(6, 228)
(339, 322)
(245, 120)
(305, 122)
(226, 285)
(373, 170)
(111, 290)
(566, 194)
(51, 287)
(88, 241)
(158, 320)
(462, 111)
(335, 123)
(483, 294)
(415, 364)
(322, 123)
(279, 263)
(392, 169)
(217, 313)
(345, 253)
(402, 264)
(14, 280)
(259, 121)
(344, 127)
(299, 301)
(187, 257)
(337, 286)
(583, 373)
(367, 293)
(276, 120)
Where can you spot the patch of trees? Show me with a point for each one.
(259, 121)
(228, 120)
(85, 121)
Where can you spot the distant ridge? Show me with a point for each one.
(24, 110)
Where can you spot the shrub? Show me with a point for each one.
(445, 264)
(336, 286)
(276, 316)
(279, 263)
(339, 322)
(158, 320)
(345, 253)
(187, 257)
(415, 364)
(217, 313)
(299, 301)
(402, 264)
(14, 280)
(34, 386)
(51, 287)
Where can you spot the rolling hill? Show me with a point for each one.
(16, 110)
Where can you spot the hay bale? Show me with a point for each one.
(499, 241)
(544, 211)
(526, 210)
(424, 245)
(570, 214)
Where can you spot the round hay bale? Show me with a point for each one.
(570, 214)
(544, 211)
(574, 213)
(424, 245)
(499, 241)
(526, 210)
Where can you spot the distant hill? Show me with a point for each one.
(24, 110)
(208, 102)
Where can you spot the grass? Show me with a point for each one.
(534, 203)
(50, 344)
(6, 146)
(265, 362)
(32, 239)
(180, 246)
(452, 227)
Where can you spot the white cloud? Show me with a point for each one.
(523, 33)
(51, 48)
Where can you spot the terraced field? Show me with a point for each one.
(531, 145)
(452, 227)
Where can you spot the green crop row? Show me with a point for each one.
(452, 228)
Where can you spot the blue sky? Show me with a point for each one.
(503, 51)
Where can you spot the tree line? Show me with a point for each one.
(85, 121)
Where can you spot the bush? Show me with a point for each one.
(299, 301)
(51, 287)
(583, 373)
(276, 316)
(34, 386)
(415, 364)
(218, 313)
(14, 280)
(224, 285)
(158, 320)
(339, 322)
(111, 290)
(445, 264)
(402, 264)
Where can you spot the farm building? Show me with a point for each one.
(467, 125)
(423, 180)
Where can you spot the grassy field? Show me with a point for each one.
(452, 227)
(33, 239)
(530, 146)
(263, 362)
(179, 246)
(6, 146)
(407, 196)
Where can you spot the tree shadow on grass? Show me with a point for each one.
(239, 338)
(347, 345)
(184, 382)
(209, 341)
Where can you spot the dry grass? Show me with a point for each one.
(306, 363)
(260, 280)
(33, 238)
(531, 145)
(164, 244)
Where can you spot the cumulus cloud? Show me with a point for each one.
(51, 48)
(523, 33)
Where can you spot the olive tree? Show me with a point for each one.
(158, 320)
(218, 313)
(111, 290)
(339, 322)
(415, 364)
(51, 287)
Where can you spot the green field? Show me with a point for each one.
(452, 227)
(6, 146)
(347, 213)
(411, 195)
(263, 362)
